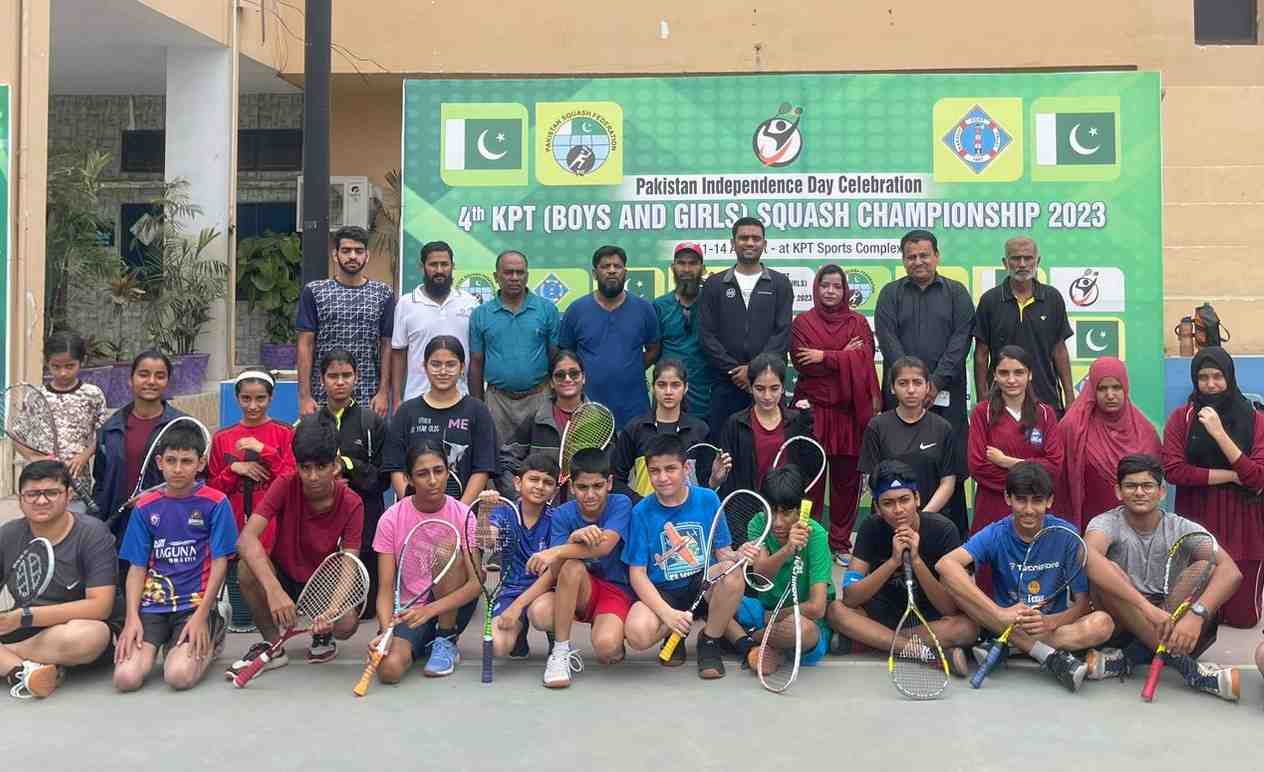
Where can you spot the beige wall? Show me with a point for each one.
(260, 34)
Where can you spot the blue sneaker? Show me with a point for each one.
(444, 657)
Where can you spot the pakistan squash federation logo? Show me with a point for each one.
(977, 139)
(581, 143)
(479, 285)
(778, 141)
(859, 288)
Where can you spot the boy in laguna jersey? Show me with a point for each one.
(178, 543)
(664, 553)
(592, 580)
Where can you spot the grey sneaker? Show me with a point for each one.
(1067, 669)
(982, 650)
(1224, 682)
(958, 662)
(560, 665)
(1106, 663)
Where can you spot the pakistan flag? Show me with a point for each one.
(1076, 138)
(483, 144)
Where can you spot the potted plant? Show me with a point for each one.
(73, 229)
(268, 272)
(182, 283)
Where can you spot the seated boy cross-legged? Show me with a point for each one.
(783, 489)
(664, 552)
(1064, 626)
(871, 607)
(592, 580)
(1127, 561)
(178, 543)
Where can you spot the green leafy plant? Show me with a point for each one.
(181, 280)
(73, 228)
(384, 237)
(269, 268)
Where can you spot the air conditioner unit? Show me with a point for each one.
(349, 202)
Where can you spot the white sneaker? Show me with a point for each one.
(558, 668)
(36, 680)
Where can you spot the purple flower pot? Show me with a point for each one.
(189, 372)
(118, 392)
(278, 356)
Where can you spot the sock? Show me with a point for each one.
(562, 646)
(449, 633)
(743, 645)
(1040, 651)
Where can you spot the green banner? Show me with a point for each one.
(5, 232)
(837, 166)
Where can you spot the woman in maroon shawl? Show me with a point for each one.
(833, 350)
(1101, 427)
(1213, 451)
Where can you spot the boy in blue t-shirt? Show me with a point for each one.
(592, 580)
(178, 542)
(664, 553)
(535, 482)
(1052, 633)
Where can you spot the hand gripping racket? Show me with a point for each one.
(428, 551)
(338, 587)
(497, 527)
(1054, 559)
(918, 668)
(1190, 563)
(701, 466)
(591, 426)
(737, 511)
(28, 420)
(31, 573)
(774, 677)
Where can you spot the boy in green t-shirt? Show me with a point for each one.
(784, 489)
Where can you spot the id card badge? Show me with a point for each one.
(942, 399)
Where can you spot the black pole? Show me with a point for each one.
(315, 223)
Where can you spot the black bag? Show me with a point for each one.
(1207, 328)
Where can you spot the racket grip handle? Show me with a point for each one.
(487, 662)
(1152, 678)
(805, 511)
(370, 667)
(993, 657)
(906, 560)
(669, 648)
(249, 672)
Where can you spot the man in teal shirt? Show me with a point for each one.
(679, 327)
(512, 337)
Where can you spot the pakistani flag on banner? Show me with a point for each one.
(1097, 338)
(1076, 138)
(483, 144)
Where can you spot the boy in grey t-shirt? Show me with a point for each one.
(1128, 549)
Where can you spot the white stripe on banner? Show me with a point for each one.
(1047, 139)
(454, 143)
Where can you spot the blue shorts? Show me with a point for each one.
(502, 602)
(751, 615)
(422, 636)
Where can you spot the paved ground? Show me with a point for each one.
(635, 716)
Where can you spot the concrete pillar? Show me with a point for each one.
(199, 144)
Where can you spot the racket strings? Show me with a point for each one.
(425, 558)
(29, 574)
(1189, 569)
(339, 585)
(592, 426)
(699, 460)
(917, 671)
(740, 509)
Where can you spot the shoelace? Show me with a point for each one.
(573, 660)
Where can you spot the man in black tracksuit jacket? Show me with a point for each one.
(743, 311)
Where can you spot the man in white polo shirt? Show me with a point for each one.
(435, 307)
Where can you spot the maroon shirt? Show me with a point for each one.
(303, 537)
(136, 439)
(767, 442)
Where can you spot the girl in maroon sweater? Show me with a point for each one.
(1213, 451)
(1009, 427)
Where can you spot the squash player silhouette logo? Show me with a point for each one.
(778, 141)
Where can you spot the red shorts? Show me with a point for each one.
(604, 598)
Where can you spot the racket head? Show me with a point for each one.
(32, 572)
(776, 668)
(699, 459)
(428, 552)
(591, 426)
(454, 487)
(808, 455)
(916, 664)
(497, 525)
(28, 418)
(1055, 558)
(739, 510)
(150, 460)
(339, 585)
(1191, 560)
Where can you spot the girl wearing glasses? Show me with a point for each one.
(1101, 427)
(462, 423)
(542, 433)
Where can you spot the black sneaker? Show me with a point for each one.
(742, 648)
(1224, 682)
(840, 645)
(1107, 663)
(678, 657)
(710, 662)
(1067, 669)
(521, 649)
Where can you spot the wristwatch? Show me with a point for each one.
(28, 619)
(1199, 609)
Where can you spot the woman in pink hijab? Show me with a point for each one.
(833, 351)
(1101, 427)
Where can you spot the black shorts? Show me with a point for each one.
(681, 598)
(420, 637)
(887, 609)
(292, 588)
(164, 629)
(114, 623)
(1122, 639)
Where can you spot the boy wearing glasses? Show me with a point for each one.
(679, 329)
(1128, 548)
(71, 622)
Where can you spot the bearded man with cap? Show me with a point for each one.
(678, 325)
(874, 596)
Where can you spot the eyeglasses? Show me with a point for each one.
(47, 494)
(1148, 487)
(442, 367)
(568, 375)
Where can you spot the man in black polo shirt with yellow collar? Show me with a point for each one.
(1023, 312)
